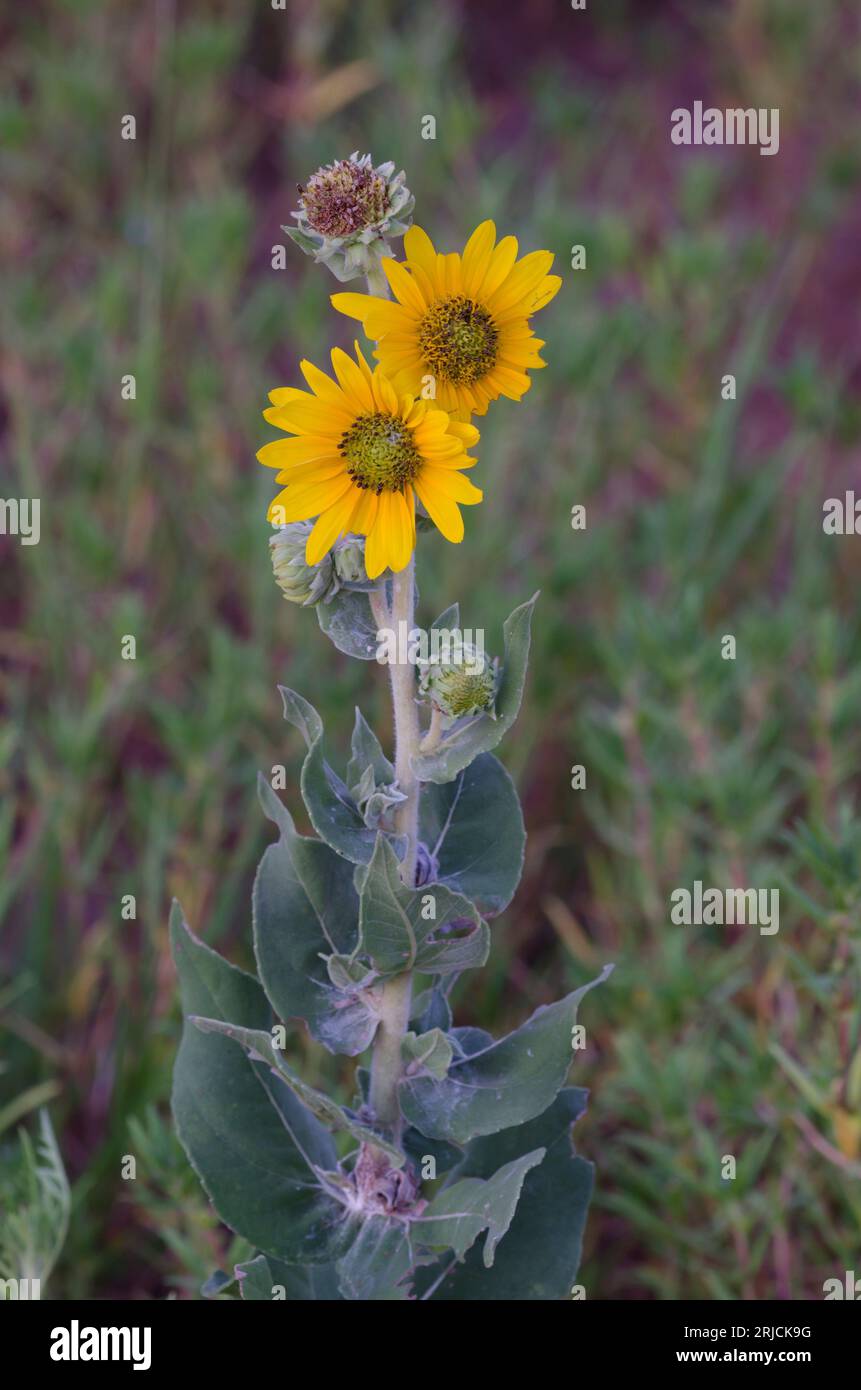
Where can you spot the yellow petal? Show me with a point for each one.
(330, 525)
(404, 287)
(378, 316)
(522, 282)
(363, 365)
(546, 291)
(352, 380)
(452, 484)
(476, 256)
(509, 383)
(376, 548)
(282, 395)
(366, 512)
(304, 500)
(320, 469)
(442, 509)
(283, 453)
(393, 514)
(311, 417)
(468, 434)
(323, 386)
(356, 306)
(501, 261)
(418, 247)
(426, 283)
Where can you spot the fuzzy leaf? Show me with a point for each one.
(476, 855)
(540, 1256)
(430, 1052)
(506, 1084)
(467, 1041)
(448, 621)
(257, 1150)
(263, 1278)
(396, 935)
(332, 1116)
(349, 623)
(459, 1213)
(217, 1282)
(479, 733)
(418, 1147)
(376, 1263)
(255, 1280)
(333, 812)
(431, 1009)
(305, 906)
(367, 752)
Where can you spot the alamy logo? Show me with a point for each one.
(848, 1287)
(737, 126)
(726, 907)
(15, 1289)
(76, 1343)
(20, 516)
(415, 647)
(841, 516)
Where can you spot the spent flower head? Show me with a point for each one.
(346, 212)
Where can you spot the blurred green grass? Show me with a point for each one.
(704, 517)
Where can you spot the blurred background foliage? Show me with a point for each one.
(704, 517)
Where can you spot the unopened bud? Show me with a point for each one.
(463, 684)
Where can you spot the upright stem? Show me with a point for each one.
(407, 731)
(386, 1066)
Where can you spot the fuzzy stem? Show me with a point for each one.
(377, 282)
(407, 732)
(386, 1066)
(431, 739)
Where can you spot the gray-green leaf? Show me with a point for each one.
(505, 1084)
(256, 1149)
(304, 908)
(349, 623)
(459, 1213)
(477, 855)
(397, 932)
(332, 1116)
(377, 1263)
(539, 1258)
(367, 752)
(333, 812)
(429, 1052)
(263, 1279)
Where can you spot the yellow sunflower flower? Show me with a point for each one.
(463, 320)
(360, 456)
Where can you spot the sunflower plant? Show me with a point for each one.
(451, 1174)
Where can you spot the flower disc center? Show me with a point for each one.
(380, 453)
(458, 340)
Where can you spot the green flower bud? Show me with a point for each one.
(298, 581)
(462, 685)
(349, 560)
(347, 209)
